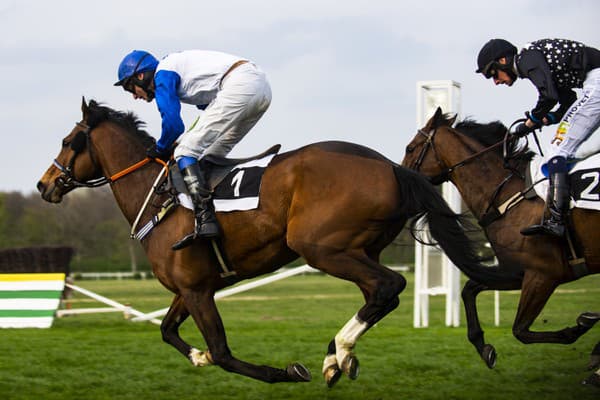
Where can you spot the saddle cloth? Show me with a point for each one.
(585, 182)
(235, 183)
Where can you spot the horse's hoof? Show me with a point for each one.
(588, 319)
(351, 367)
(332, 375)
(298, 373)
(593, 379)
(488, 354)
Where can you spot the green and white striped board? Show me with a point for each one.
(29, 300)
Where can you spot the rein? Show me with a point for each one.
(491, 213)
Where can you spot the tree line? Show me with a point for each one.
(91, 223)
(87, 220)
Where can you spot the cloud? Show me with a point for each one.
(338, 70)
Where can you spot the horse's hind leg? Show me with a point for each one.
(380, 287)
(202, 307)
(534, 295)
(169, 329)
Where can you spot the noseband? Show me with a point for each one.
(429, 136)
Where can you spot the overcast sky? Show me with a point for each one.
(338, 69)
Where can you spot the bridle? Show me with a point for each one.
(444, 176)
(81, 141)
(492, 212)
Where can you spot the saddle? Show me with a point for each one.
(218, 169)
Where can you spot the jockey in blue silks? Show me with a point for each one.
(234, 94)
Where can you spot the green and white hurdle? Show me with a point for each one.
(30, 300)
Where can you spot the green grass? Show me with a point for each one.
(103, 356)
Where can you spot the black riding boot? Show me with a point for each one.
(558, 204)
(206, 222)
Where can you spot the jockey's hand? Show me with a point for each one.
(522, 130)
(550, 119)
(155, 152)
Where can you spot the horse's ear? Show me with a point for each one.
(435, 120)
(452, 119)
(84, 107)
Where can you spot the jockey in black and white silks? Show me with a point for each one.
(555, 67)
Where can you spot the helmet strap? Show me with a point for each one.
(509, 67)
(145, 83)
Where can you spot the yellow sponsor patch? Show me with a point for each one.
(561, 131)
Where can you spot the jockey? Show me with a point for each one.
(555, 67)
(234, 94)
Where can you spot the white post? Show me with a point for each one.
(434, 272)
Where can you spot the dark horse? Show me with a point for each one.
(471, 156)
(337, 205)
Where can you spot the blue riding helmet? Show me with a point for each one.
(133, 63)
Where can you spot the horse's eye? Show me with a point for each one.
(65, 143)
(409, 149)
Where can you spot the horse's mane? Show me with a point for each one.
(98, 113)
(492, 133)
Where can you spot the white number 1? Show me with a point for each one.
(236, 182)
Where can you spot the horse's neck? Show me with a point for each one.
(131, 189)
(478, 179)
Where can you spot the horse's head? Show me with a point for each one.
(75, 165)
(421, 154)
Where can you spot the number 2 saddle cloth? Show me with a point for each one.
(584, 180)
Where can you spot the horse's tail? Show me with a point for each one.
(445, 226)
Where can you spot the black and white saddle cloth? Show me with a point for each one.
(235, 183)
(584, 178)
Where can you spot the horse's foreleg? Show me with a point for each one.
(202, 308)
(534, 295)
(170, 333)
(474, 330)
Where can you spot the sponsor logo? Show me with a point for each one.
(575, 108)
(561, 132)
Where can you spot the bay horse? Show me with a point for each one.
(471, 156)
(336, 204)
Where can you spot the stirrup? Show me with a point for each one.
(184, 242)
(205, 230)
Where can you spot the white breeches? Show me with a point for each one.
(244, 97)
(574, 137)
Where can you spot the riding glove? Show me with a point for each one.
(156, 152)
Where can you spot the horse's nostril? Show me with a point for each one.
(40, 187)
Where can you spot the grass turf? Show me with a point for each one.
(104, 356)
